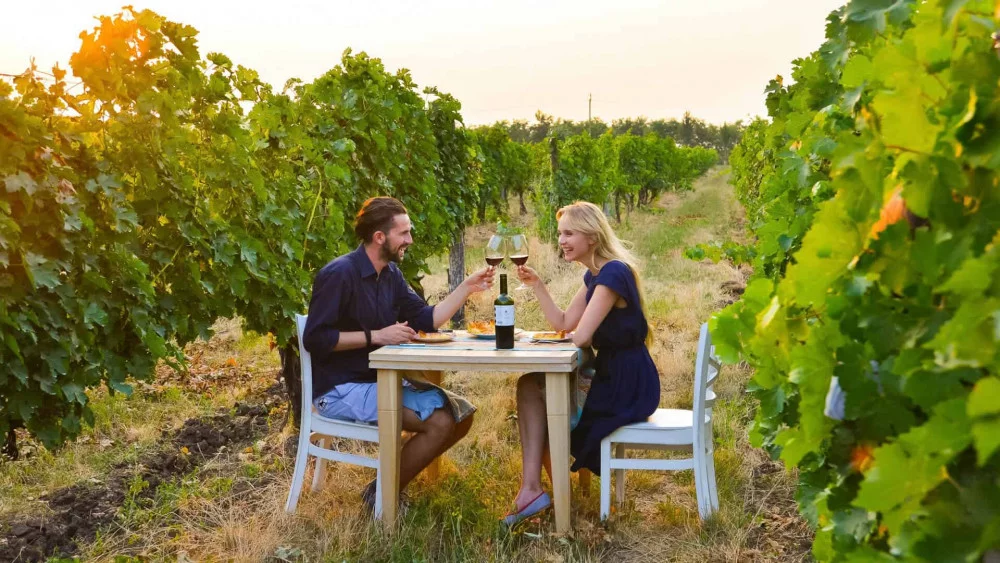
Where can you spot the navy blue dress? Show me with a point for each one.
(626, 386)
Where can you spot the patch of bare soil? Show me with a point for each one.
(779, 532)
(732, 290)
(79, 511)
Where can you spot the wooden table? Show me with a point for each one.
(557, 361)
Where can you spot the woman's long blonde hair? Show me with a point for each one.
(588, 219)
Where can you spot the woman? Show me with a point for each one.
(606, 313)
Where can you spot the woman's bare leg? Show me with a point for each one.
(532, 425)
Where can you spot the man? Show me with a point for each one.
(361, 301)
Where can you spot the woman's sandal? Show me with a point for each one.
(540, 503)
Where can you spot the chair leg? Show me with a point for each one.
(319, 475)
(713, 487)
(605, 478)
(378, 494)
(298, 476)
(619, 477)
(700, 480)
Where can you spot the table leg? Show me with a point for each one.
(434, 469)
(557, 403)
(584, 474)
(390, 425)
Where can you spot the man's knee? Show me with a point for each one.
(462, 428)
(440, 423)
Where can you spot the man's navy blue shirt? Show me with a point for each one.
(348, 296)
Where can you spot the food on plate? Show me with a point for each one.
(558, 335)
(482, 327)
(433, 336)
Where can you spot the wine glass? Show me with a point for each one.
(518, 253)
(496, 250)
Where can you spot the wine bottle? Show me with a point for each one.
(504, 315)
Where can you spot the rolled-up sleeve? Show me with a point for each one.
(412, 308)
(321, 335)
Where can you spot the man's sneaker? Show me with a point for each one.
(368, 498)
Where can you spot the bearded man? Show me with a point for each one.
(360, 301)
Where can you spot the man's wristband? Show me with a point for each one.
(368, 338)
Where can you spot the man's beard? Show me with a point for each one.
(388, 255)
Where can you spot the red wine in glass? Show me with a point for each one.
(496, 250)
(518, 252)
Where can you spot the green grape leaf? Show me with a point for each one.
(973, 277)
(74, 393)
(42, 272)
(903, 121)
(857, 70)
(95, 314)
(794, 445)
(985, 398)
(986, 436)
(20, 182)
(906, 470)
(827, 251)
(969, 338)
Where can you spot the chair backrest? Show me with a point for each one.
(706, 370)
(307, 370)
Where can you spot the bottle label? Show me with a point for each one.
(504, 315)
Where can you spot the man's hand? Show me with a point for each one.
(398, 333)
(479, 281)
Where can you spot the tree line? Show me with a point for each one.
(689, 131)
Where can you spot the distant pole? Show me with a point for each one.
(590, 99)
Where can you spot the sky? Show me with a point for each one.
(502, 60)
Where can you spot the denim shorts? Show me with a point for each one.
(358, 402)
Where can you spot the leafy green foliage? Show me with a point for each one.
(688, 131)
(506, 169)
(458, 170)
(613, 171)
(175, 190)
(873, 194)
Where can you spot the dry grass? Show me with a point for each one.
(232, 508)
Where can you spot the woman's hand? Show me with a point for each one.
(528, 276)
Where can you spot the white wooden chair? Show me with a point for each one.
(670, 429)
(315, 433)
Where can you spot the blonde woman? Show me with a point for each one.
(606, 313)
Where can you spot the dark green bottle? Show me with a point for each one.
(504, 314)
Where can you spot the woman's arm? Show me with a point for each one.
(600, 305)
(557, 318)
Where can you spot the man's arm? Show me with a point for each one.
(352, 341)
(392, 334)
(446, 309)
(321, 336)
(422, 316)
(450, 305)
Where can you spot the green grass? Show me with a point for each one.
(231, 508)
